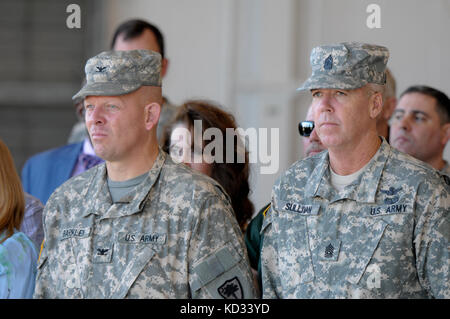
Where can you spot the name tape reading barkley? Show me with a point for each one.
(79, 232)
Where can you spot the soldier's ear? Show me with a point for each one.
(151, 115)
(375, 105)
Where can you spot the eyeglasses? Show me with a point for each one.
(305, 128)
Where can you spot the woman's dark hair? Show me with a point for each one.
(233, 177)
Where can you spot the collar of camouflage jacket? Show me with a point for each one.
(362, 190)
(100, 199)
(446, 169)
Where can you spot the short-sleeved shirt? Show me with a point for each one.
(384, 236)
(18, 259)
(175, 236)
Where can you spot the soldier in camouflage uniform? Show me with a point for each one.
(171, 234)
(360, 220)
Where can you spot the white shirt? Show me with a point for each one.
(340, 181)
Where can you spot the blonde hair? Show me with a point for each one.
(12, 201)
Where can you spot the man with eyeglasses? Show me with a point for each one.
(420, 125)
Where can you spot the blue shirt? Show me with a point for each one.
(18, 260)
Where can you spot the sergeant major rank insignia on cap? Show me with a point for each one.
(347, 66)
(328, 64)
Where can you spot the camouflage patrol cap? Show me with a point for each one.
(346, 66)
(120, 72)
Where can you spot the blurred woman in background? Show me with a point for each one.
(18, 255)
(232, 176)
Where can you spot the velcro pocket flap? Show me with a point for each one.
(213, 266)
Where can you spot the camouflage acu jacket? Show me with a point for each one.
(175, 237)
(385, 236)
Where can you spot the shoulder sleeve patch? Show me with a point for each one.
(223, 276)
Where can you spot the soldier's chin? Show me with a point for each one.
(100, 152)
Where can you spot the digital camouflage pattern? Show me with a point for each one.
(345, 66)
(175, 237)
(385, 236)
(168, 111)
(113, 73)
